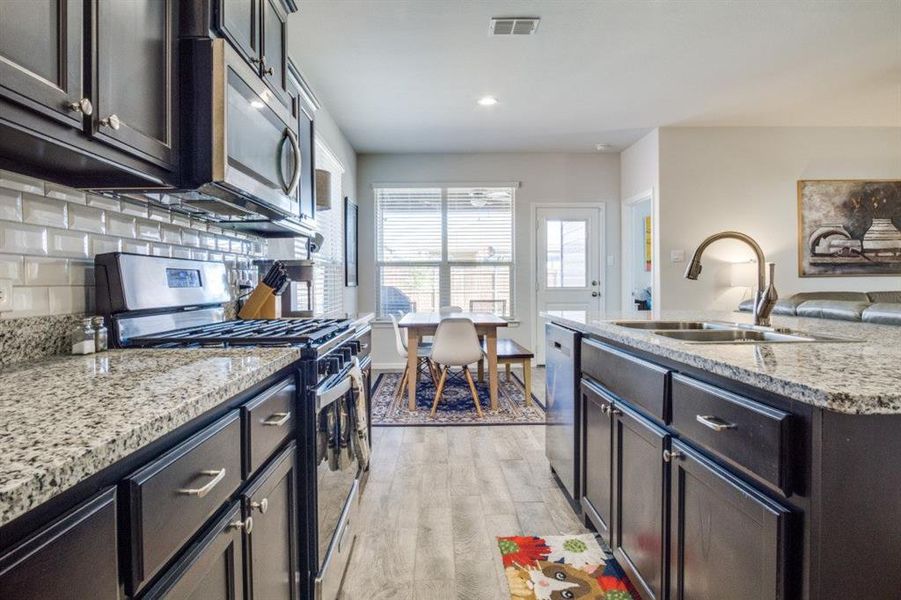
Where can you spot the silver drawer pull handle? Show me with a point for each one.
(200, 492)
(671, 455)
(277, 419)
(246, 525)
(262, 505)
(714, 423)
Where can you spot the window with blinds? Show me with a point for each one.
(441, 246)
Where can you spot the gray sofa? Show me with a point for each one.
(871, 307)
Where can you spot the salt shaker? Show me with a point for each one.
(100, 335)
(83, 338)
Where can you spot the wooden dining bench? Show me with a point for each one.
(509, 353)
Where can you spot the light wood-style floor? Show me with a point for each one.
(436, 499)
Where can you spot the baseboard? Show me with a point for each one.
(388, 366)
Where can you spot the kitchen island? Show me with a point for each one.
(739, 470)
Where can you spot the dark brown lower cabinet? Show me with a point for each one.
(212, 568)
(597, 457)
(72, 559)
(728, 540)
(640, 500)
(272, 547)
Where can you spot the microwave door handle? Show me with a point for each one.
(295, 177)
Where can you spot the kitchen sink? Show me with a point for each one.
(672, 325)
(715, 332)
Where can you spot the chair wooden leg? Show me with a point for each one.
(481, 370)
(507, 366)
(472, 388)
(527, 379)
(403, 381)
(432, 373)
(438, 391)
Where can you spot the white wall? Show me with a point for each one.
(544, 178)
(639, 174)
(713, 179)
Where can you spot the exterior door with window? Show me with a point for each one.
(569, 266)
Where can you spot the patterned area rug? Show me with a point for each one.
(456, 407)
(562, 566)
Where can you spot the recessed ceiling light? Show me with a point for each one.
(487, 101)
(603, 147)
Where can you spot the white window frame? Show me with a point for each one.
(444, 265)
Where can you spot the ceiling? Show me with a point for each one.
(404, 75)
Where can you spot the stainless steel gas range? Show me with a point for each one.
(161, 302)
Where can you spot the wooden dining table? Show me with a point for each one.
(421, 324)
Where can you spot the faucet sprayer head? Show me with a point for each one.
(694, 269)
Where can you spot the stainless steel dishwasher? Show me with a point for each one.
(562, 430)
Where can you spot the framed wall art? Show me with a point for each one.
(849, 227)
(350, 243)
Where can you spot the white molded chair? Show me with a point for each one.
(449, 310)
(456, 345)
(422, 351)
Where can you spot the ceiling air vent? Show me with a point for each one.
(513, 25)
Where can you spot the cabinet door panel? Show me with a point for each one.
(597, 458)
(239, 21)
(275, 48)
(211, 569)
(270, 501)
(72, 559)
(41, 55)
(728, 540)
(135, 76)
(640, 500)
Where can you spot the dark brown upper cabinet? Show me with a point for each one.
(258, 29)
(303, 107)
(41, 60)
(136, 57)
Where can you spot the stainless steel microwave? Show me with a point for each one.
(243, 159)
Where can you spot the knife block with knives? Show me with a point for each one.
(263, 301)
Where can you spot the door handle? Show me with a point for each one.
(83, 106)
(112, 121)
(595, 294)
(295, 176)
(204, 490)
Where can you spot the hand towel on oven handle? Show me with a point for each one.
(361, 439)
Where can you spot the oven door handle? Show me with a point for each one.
(326, 394)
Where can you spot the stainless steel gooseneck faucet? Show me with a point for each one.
(766, 293)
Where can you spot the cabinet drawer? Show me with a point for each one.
(73, 558)
(746, 433)
(269, 420)
(640, 382)
(169, 500)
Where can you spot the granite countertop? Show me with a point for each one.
(863, 377)
(66, 418)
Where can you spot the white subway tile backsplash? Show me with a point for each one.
(22, 183)
(120, 225)
(133, 207)
(69, 299)
(67, 243)
(81, 272)
(170, 235)
(159, 214)
(31, 301)
(87, 218)
(12, 267)
(181, 220)
(23, 239)
(61, 192)
(10, 205)
(38, 210)
(40, 270)
(190, 238)
(50, 233)
(103, 202)
(136, 247)
(148, 230)
(101, 244)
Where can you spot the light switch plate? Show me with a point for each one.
(677, 256)
(6, 295)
